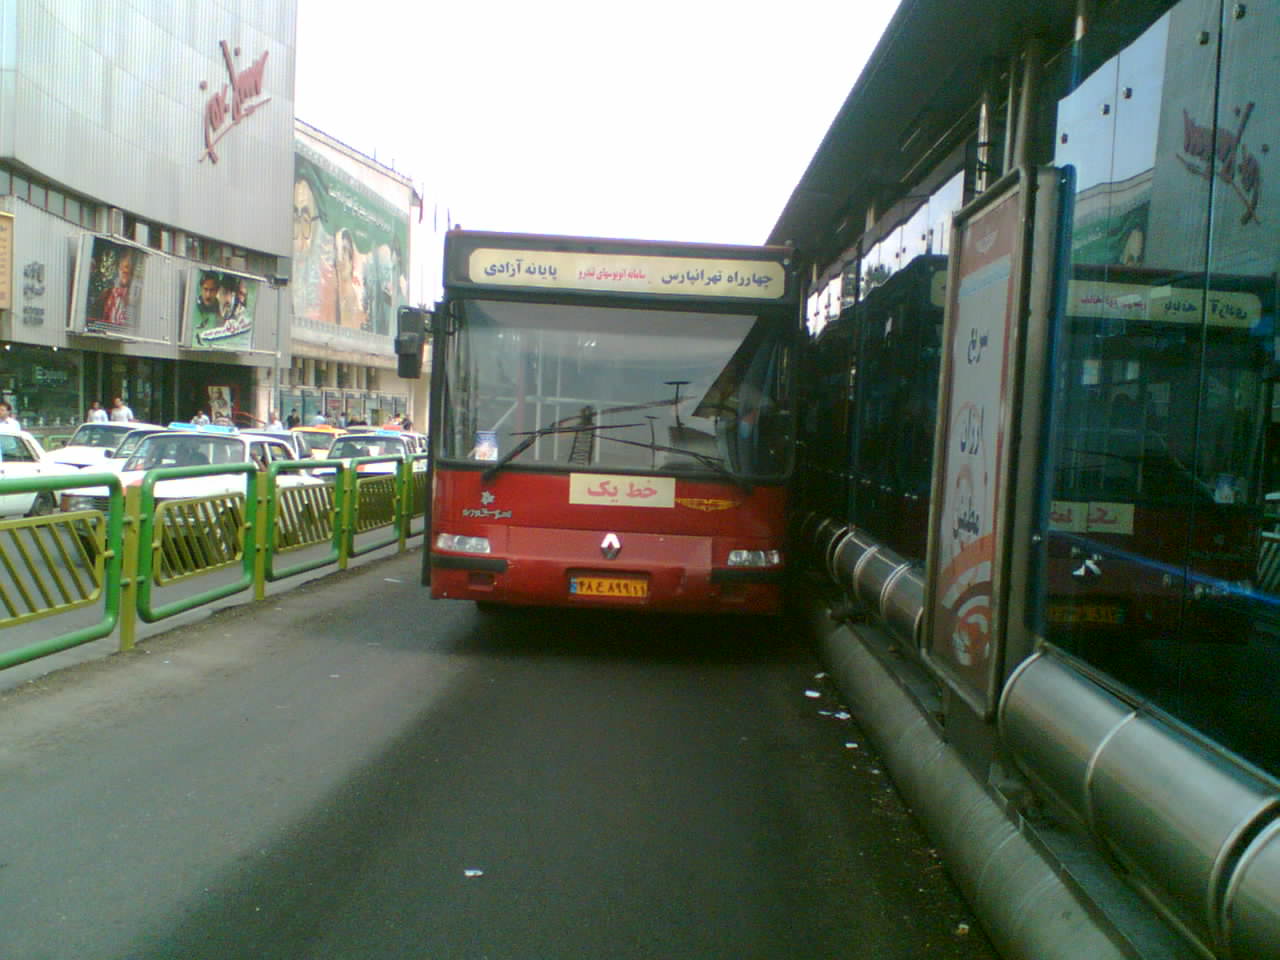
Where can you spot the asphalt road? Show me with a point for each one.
(349, 770)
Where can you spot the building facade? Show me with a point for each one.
(146, 165)
(352, 221)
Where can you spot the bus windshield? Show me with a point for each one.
(554, 385)
(1130, 434)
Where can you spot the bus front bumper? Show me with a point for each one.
(651, 572)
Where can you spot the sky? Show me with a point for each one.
(688, 121)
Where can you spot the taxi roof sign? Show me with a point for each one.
(202, 427)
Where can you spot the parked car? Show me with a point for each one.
(94, 442)
(316, 439)
(294, 441)
(375, 443)
(418, 442)
(117, 458)
(187, 445)
(22, 456)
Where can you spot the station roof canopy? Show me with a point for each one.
(921, 80)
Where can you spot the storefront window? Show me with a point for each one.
(43, 387)
(1163, 559)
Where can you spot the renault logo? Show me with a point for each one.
(610, 546)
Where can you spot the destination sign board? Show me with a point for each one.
(628, 273)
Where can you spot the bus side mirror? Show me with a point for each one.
(412, 325)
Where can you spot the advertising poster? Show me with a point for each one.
(222, 309)
(965, 541)
(113, 299)
(220, 404)
(349, 250)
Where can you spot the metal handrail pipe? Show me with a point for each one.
(902, 604)
(1179, 814)
(848, 555)
(1025, 904)
(1250, 921)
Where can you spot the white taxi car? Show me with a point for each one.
(291, 440)
(188, 445)
(92, 443)
(21, 456)
(117, 458)
(375, 443)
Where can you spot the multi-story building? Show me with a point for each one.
(351, 240)
(146, 166)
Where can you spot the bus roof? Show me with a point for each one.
(550, 266)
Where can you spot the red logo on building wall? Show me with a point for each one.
(221, 114)
(1214, 150)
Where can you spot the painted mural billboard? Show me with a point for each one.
(349, 251)
(222, 310)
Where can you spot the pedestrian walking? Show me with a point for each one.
(293, 419)
(96, 413)
(200, 419)
(273, 422)
(8, 422)
(120, 412)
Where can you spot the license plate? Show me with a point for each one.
(1072, 613)
(608, 587)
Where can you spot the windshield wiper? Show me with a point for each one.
(565, 425)
(715, 463)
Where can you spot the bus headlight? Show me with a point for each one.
(71, 501)
(755, 558)
(460, 544)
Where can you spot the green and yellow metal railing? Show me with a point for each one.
(125, 557)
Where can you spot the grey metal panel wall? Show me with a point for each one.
(160, 315)
(107, 101)
(267, 318)
(53, 245)
(43, 241)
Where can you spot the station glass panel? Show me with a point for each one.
(1163, 540)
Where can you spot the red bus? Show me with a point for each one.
(612, 423)
(1158, 491)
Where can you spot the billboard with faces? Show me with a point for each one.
(112, 286)
(349, 250)
(221, 309)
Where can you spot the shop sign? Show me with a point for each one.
(1210, 151)
(50, 376)
(238, 98)
(6, 261)
(32, 289)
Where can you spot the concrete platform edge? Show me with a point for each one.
(1026, 907)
